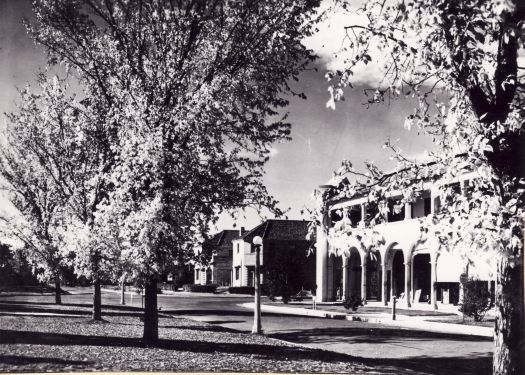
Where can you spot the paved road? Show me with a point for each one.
(359, 339)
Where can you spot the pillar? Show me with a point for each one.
(392, 288)
(384, 291)
(363, 212)
(408, 282)
(408, 211)
(433, 278)
(363, 280)
(330, 287)
(322, 261)
(346, 292)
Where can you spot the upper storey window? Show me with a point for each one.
(396, 211)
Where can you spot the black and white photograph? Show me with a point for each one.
(262, 186)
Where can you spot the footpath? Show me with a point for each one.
(422, 322)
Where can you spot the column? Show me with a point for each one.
(363, 212)
(346, 292)
(330, 289)
(408, 282)
(433, 275)
(321, 260)
(408, 211)
(392, 287)
(363, 280)
(384, 291)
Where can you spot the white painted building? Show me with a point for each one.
(409, 266)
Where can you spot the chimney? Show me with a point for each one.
(241, 231)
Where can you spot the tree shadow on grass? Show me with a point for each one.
(270, 352)
(84, 305)
(421, 365)
(210, 328)
(56, 309)
(19, 360)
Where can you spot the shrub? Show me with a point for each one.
(352, 303)
(197, 288)
(477, 300)
(241, 290)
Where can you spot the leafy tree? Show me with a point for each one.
(30, 158)
(188, 87)
(7, 272)
(460, 59)
(60, 159)
(476, 300)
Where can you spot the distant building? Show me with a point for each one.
(219, 250)
(284, 243)
(407, 267)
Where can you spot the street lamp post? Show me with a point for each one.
(257, 242)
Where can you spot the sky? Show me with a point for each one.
(321, 137)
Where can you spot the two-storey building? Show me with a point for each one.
(408, 265)
(219, 250)
(283, 240)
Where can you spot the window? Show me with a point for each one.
(237, 272)
(197, 274)
(427, 206)
(355, 215)
(396, 211)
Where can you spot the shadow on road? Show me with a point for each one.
(367, 335)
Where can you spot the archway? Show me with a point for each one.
(422, 277)
(338, 278)
(398, 274)
(373, 276)
(354, 273)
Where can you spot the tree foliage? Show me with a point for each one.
(190, 91)
(461, 61)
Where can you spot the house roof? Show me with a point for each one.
(222, 238)
(424, 171)
(275, 229)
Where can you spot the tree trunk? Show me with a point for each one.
(508, 328)
(58, 296)
(151, 317)
(97, 300)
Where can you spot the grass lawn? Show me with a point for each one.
(62, 338)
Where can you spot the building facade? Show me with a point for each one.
(219, 249)
(409, 264)
(284, 243)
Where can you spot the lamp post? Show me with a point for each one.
(257, 242)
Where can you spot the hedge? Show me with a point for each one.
(241, 290)
(197, 288)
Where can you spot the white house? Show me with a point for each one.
(409, 266)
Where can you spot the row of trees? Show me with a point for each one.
(156, 123)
